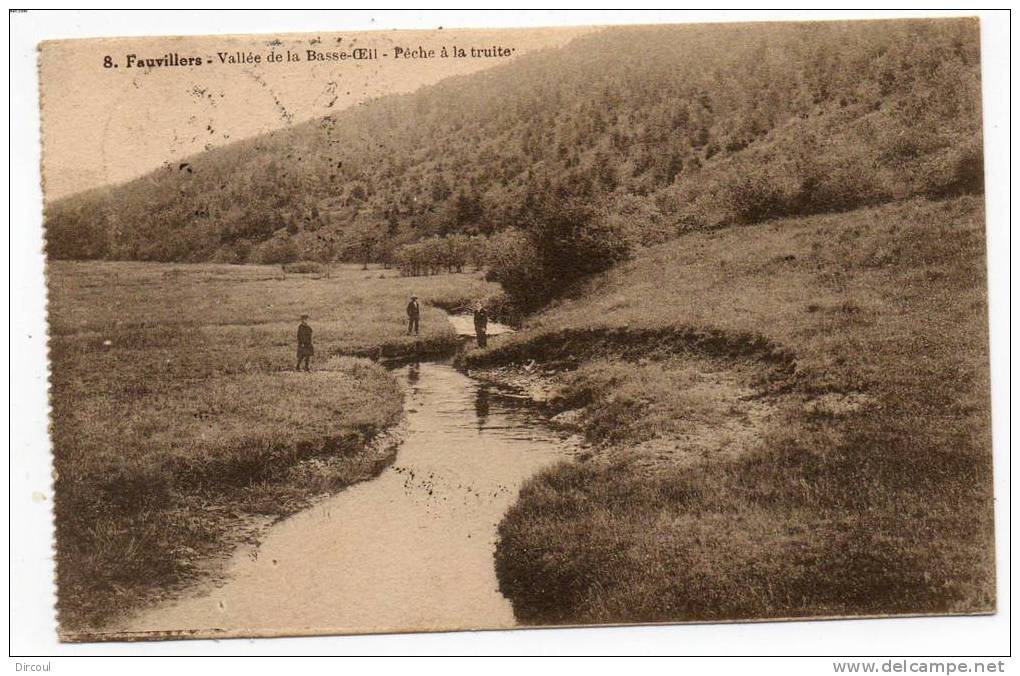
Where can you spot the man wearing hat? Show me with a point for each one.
(413, 313)
(304, 343)
(481, 324)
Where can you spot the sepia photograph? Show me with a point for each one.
(370, 332)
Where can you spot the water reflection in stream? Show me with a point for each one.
(410, 549)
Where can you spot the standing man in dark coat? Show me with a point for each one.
(304, 343)
(481, 324)
(413, 313)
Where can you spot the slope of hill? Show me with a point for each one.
(667, 128)
(789, 419)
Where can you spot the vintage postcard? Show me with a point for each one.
(402, 331)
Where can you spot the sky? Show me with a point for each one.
(105, 124)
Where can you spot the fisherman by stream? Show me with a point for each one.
(413, 315)
(481, 318)
(304, 344)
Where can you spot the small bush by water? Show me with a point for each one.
(562, 241)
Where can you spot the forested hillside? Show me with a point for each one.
(660, 129)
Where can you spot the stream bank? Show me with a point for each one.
(411, 549)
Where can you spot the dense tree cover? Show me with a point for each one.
(657, 129)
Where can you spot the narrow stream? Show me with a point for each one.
(409, 550)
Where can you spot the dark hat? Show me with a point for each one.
(303, 317)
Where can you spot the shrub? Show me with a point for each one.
(226, 254)
(75, 233)
(458, 251)
(574, 240)
(836, 187)
(642, 221)
(243, 249)
(757, 196)
(564, 241)
(411, 258)
(478, 248)
(503, 309)
(958, 171)
(275, 251)
(436, 256)
(513, 262)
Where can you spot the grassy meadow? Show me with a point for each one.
(180, 424)
(792, 419)
(789, 419)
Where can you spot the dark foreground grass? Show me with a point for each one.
(854, 479)
(179, 425)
